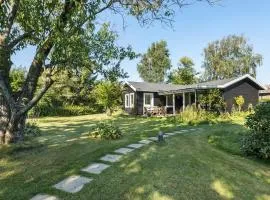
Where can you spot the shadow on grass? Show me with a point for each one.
(187, 167)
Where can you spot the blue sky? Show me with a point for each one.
(194, 27)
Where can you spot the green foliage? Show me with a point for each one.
(155, 63)
(185, 74)
(108, 94)
(212, 101)
(107, 131)
(66, 110)
(17, 78)
(257, 142)
(240, 100)
(229, 57)
(192, 115)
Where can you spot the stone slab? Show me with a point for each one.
(111, 158)
(44, 197)
(145, 141)
(95, 168)
(165, 136)
(72, 184)
(123, 150)
(170, 134)
(135, 146)
(153, 138)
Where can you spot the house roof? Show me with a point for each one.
(164, 88)
(266, 91)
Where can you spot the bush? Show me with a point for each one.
(257, 142)
(239, 100)
(69, 110)
(192, 115)
(213, 101)
(107, 131)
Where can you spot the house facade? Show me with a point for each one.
(161, 98)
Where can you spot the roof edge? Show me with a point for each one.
(239, 79)
(130, 85)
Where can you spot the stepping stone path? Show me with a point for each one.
(165, 136)
(75, 183)
(111, 158)
(44, 197)
(95, 168)
(171, 134)
(72, 184)
(123, 150)
(145, 141)
(135, 146)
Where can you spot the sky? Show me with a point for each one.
(194, 27)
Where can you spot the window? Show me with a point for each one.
(126, 100)
(131, 104)
(169, 100)
(148, 99)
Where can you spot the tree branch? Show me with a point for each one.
(35, 99)
(20, 38)
(12, 16)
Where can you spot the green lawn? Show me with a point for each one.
(204, 164)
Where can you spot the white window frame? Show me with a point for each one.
(168, 106)
(131, 97)
(127, 100)
(152, 100)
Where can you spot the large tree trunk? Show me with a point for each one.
(11, 124)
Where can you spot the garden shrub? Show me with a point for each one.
(68, 110)
(213, 101)
(239, 100)
(257, 141)
(107, 131)
(192, 115)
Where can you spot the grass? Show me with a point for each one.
(205, 164)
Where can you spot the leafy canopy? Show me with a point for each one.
(185, 73)
(230, 57)
(155, 63)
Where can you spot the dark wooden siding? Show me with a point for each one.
(246, 88)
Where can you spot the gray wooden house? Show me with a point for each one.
(140, 97)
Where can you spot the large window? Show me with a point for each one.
(129, 100)
(148, 99)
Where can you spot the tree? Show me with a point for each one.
(239, 101)
(155, 63)
(66, 34)
(230, 57)
(185, 73)
(108, 94)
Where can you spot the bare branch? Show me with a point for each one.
(30, 104)
(12, 16)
